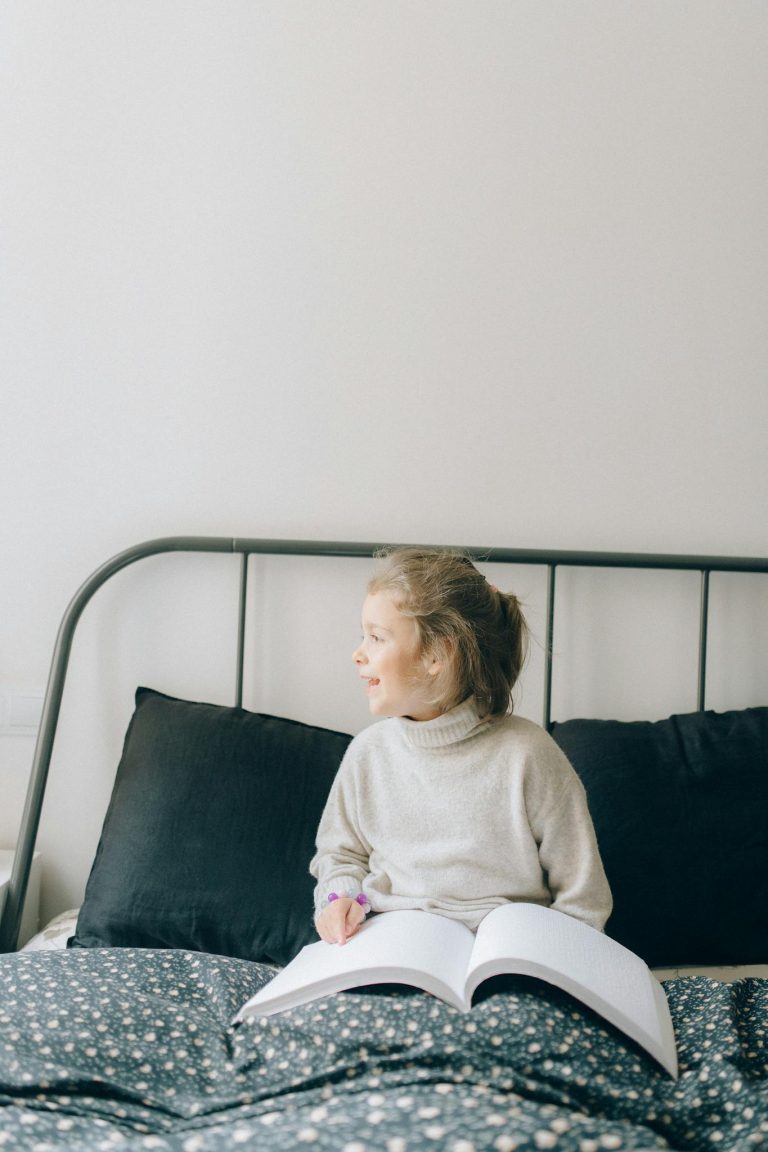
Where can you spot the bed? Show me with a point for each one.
(116, 1020)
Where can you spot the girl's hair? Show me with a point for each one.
(478, 633)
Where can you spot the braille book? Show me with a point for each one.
(443, 957)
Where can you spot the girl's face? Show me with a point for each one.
(398, 678)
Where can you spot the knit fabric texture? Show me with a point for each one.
(458, 815)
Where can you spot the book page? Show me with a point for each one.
(536, 941)
(406, 947)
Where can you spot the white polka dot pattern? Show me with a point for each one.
(130, 1050)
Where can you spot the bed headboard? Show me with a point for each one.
(245, 548)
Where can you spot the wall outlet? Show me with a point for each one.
(20, 712)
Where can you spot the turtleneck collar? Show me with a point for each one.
(448, 728)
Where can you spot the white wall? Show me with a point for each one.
(461, 271)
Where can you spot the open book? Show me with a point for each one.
(445, 958)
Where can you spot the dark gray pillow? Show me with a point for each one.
(680, 808)
(210, 831)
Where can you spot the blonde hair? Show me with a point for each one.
(478, 633)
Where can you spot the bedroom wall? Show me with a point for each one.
(481, 273)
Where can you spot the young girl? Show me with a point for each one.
(451, 805)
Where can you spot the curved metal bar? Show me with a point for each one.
(11, 915)
(30, 821)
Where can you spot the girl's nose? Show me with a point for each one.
(358, 655)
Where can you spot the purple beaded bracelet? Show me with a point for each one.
(360, 898)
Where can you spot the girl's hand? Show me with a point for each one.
(339, 920)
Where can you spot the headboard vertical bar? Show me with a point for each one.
(550, 630)
(241, 617)
(703, 623)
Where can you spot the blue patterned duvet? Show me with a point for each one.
(127, 1049)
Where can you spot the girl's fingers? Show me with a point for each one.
(337, 921)
(354, 919)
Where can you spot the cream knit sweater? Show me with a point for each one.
(457, 815)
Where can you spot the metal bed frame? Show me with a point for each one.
(247, 547)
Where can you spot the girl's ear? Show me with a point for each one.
(436, 660)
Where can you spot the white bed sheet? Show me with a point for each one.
(55, 934)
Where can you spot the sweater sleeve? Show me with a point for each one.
(568, 849)
(340, 863)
